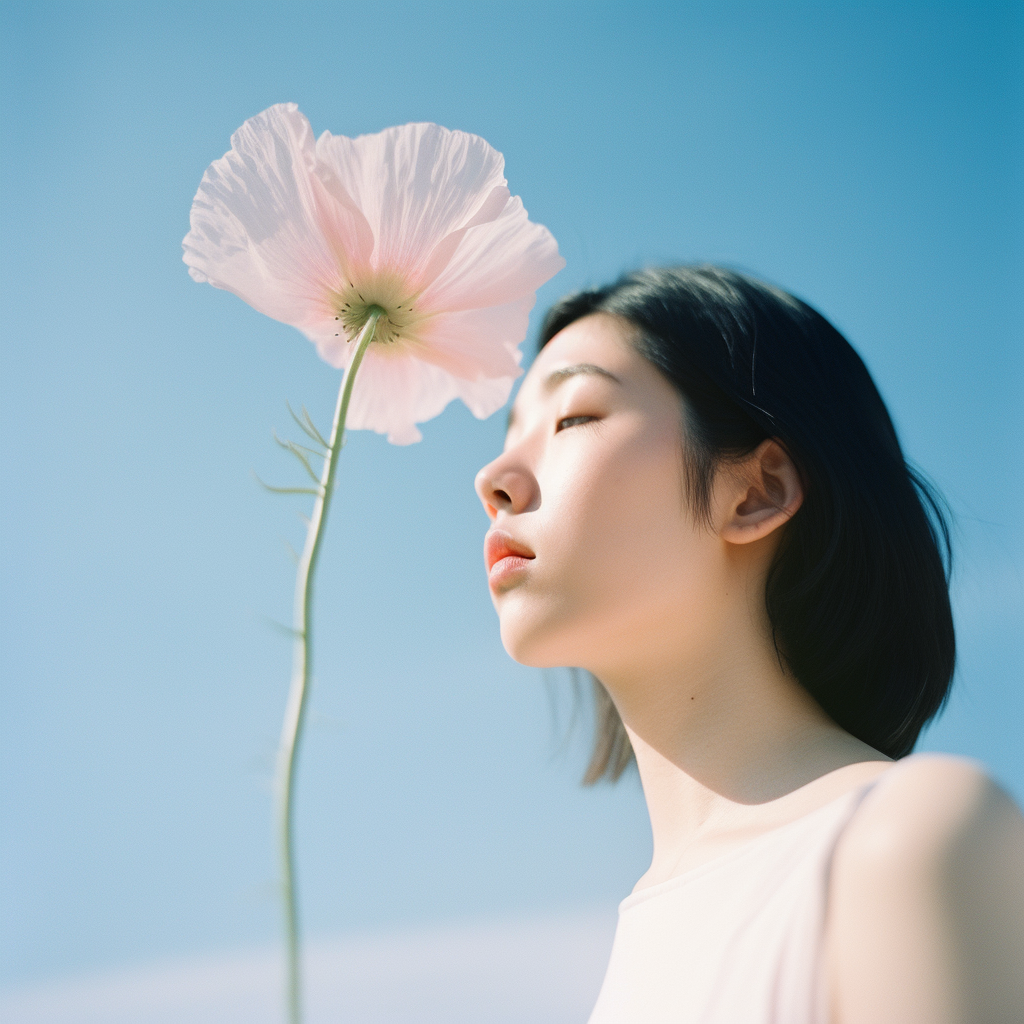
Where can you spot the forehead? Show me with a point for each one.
(598, 340)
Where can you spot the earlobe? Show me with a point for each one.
(767, 492)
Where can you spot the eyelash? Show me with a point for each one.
(572, 421)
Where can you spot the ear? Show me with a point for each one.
(767, 492)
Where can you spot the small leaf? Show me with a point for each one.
(282, 628)
(317, 493)
(297, 450)
(288, 443)
(306, 425)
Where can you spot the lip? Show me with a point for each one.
(504, 555)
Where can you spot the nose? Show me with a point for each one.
(504, 486)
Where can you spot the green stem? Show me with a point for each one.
(291, 732)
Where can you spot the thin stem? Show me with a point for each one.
(291, 732)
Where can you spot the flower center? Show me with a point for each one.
(354, 304)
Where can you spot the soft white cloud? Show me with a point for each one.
(541, 970)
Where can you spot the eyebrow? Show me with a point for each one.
(556, 377)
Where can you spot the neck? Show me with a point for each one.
(720, 733)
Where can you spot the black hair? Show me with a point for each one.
(858, 592)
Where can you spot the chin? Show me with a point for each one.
(540, 640)
(527, 648)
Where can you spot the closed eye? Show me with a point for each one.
(572, 421)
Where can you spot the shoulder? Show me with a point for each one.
(925, 810)
(926, 916)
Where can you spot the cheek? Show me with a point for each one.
(619, 556)
(630, 538)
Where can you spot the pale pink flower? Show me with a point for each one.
(416, 219)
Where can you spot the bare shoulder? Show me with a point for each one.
(926, 899)
(927, 810)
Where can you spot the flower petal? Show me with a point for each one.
(440, 256)
(477, 343)
(263, 226)
(301, 230)
(415, 183)
(496, 263)
(394, 392)
(344, 225)
(469, 344)
(485, 396)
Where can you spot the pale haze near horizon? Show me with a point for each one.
(869, 161)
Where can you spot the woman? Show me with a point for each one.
(702, 502)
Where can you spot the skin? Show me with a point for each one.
(926, 919)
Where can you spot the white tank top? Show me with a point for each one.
(737, 940)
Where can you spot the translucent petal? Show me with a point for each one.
(485, 396)
(263, 225)
(416, 184)
(415, 213)
(441, 255)
(477, 343)
(496, 263)
(471, 345)
(394, 392)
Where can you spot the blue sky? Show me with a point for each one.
(868, 159)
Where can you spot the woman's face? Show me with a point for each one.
(594, 557)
